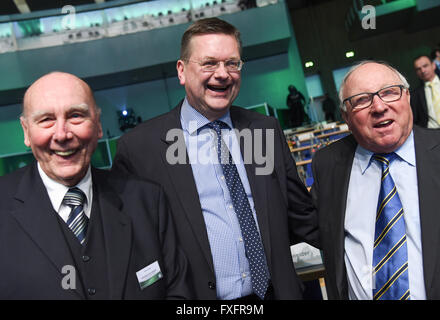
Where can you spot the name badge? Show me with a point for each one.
(149, 275)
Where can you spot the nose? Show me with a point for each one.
(221, 71)
(62, 132)
(377, 105)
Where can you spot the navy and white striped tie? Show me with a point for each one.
(77, 220)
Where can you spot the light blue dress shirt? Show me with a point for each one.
(362, 198)
(233, 279)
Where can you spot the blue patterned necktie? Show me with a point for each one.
(77, 220)
(252, 241)
(390, 253)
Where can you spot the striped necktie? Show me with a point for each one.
(77, 220)
(252, 241)
(390, 253)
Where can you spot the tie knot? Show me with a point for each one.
(74, 197)
(217, 126)
(385, 158)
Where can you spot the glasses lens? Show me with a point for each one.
(230, 65)
(360, 101)
(390, 94)
(209, 65)
(233, 65)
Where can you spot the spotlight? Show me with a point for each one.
(127, 119)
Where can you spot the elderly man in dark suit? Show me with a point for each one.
(237, 209)
(377, 193)
(70, 231)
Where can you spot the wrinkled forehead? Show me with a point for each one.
(370, 77)
(57, 92)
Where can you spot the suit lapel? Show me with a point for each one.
(182, 179)
(335, 222)
(117, 233)
(34, 212)
(257, 182)
(428, 162)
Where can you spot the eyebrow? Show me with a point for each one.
(79, 107)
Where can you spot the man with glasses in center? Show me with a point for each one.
(234, 221)
(377, 194)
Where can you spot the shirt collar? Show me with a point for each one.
(57, 191)
(192, 120)
(436, 80)
(406, 152)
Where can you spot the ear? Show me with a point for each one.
(181, 71)
(25, 127)
(98, 122)
(345, 117)
(100, 134)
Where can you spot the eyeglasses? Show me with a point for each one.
(212, 65)
(364, 100)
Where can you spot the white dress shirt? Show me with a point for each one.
(362, 199)
(57, 191)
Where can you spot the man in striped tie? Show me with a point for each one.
(70, 231)
(377, 193)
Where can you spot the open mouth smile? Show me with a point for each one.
(65, 153)
(383, 124)
(218, 88)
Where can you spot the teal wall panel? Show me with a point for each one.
(265, 77)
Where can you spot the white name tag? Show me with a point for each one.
(149, 275)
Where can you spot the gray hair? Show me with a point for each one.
(360, 64)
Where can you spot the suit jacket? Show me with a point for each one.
(283, 205)
(331, 171)
(138, 231)
(419, 107)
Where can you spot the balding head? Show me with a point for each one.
(43, 87)
(61, 124)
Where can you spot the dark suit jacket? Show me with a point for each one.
(138, 231)
(419, 107)
(331, 171)
(281, 199)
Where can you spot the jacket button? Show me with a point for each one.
(85, 258)
(91, 291)
(211, 285)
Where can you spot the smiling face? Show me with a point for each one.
(384, 126)
(211, 93)
(61, 125)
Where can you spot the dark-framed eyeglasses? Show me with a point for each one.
(364, 100)
(210, 65)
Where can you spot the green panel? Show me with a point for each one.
(388, 8)
(262, 108)
(100, 157)
(12, 163)
(113, 143)
(12, 141)
(145, 49)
